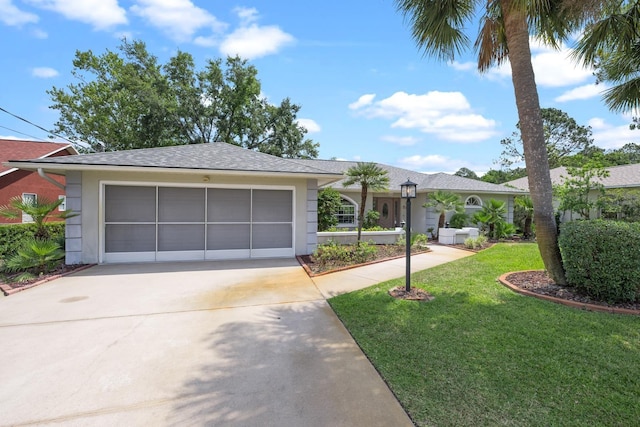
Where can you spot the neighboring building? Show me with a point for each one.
(28, 184)
(623, 177)
(392, 208)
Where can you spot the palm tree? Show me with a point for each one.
(438, 27)
(39, 210)
(492, 213)
(369, 176)
(443, 202)
(525, 205)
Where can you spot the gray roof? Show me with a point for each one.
(217, 156)
(619, 176)
(426, 182)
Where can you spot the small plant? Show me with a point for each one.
(459, 220)
(35, 257)
(333, 252)
(371, 220)
(431, 231)
(419, 240)
(475, 242)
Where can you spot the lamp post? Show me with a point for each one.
(408, 191)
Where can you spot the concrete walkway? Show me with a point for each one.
(240, 343)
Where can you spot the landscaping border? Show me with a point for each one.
(8, 290)
(575, 304)
(349, 267)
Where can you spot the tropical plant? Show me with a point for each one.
(492, 214)
(459, 219)
(39, 210)
(439, 27)
(621, 204)
(329, 202)
(34, 257)
(524, 210)
(369, 176)
(575, 191)
(442, 202)
(371, 219)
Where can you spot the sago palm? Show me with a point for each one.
(39, 210)
(438, 27)
(369, 176)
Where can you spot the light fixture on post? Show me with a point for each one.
(408, 191)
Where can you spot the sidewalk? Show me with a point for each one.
(353, 279)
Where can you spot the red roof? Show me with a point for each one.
(15, 149)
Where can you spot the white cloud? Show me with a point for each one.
(581, 92)
(362, 101)
(102, 14)
(609, 136)
(255, 41)
(15, 17)
(179, 19)
(463, 66)
(437, 163)
(247, 15)
(310, 125)
(44, 72)
(418, 161)
(400, 140)
(447, 115)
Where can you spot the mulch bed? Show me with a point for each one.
(414, 294)
(383, 253)
(538, 282)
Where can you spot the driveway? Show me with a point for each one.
(242, 343)
(234, 343)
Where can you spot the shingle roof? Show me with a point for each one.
(619, 176)
(215, 156)
(397, 176)
(23, 150)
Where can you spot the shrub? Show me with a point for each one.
(329, 203)
(12, 235)
(332, 252)
(475, 242)
(601, 259)
(416, 240)
(35, 256)
(458, 220)
(371, 220)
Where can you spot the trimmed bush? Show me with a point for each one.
(12, 235)
(601, 259)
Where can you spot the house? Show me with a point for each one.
(189, 202)
(24, 183)
(392, 207)
(620, 177)
(218, 201)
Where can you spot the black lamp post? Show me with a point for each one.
(408, 191)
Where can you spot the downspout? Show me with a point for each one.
(51, 180)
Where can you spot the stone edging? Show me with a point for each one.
(349, 267)
(575, 304)
(8, 290)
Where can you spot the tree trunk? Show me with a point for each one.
(535, 152)
(363, 201)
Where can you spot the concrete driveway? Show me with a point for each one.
(210, 343)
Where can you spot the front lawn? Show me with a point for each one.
(481, 355)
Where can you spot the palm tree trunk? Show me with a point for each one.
(363, 201)
(535, 152)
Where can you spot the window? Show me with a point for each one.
(347, 213)
(28, 198)
(473, 202)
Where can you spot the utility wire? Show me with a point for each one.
(25, 134)
(33, 124)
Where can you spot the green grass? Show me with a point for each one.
(481, 355)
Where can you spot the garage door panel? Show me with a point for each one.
(272, 205)
(228, 205)
(228, 236)
(180, 237)
(266, 236)
(130, 238)
(180, 204)
(130, 204)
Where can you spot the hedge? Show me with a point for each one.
(12, 234)
(602, 259)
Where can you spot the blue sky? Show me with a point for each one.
(367, 92)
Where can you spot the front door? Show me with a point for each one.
(388, 209)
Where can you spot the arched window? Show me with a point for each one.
(473, 202)
(347, 213)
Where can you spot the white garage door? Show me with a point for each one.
(159, 223)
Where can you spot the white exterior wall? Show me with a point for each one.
(91, 218)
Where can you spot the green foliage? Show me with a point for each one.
(503, 175)
(371, 220)
(417, 240)
(563, 137)
(39, 209)
(127, 99)
(459, 220)
(442, 202)
(523, 215)
(620, 204)
(492, 217)
(34, 257)
(575, 191)
(368, 176)
(466, 173)
(332, 251)
(475, 242)
(12, 235)
(601, 258)
(329, 202)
